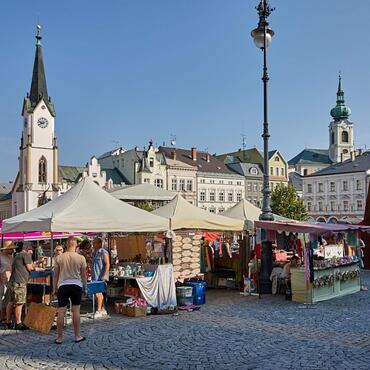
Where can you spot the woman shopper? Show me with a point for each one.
(6, 261)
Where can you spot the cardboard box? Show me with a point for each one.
(133, 311)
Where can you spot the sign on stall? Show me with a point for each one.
(333, 251)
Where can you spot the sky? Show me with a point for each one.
(123, 72)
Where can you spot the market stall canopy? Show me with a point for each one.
(248, 212)
(183, 215)
(303, 227)
(142, 192)
(86, 207)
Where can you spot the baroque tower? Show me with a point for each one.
(37, 180)
(340, 129)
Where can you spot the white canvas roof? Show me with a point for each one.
(248, 212)
(183, 215)
(86, 207)
(245, 211)
(142, 192)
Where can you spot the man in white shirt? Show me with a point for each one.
(69, 284)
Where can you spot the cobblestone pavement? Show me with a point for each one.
(230, 332)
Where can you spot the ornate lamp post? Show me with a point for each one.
(262, 36)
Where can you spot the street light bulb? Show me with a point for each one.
(257, 35)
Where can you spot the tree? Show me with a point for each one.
(145, 206)
(285, 202)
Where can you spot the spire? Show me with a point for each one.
(340, 111)
(38, 85)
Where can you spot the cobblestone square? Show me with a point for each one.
(229, 332)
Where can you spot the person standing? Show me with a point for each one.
(69, 284)
(16, 294)
(6, 261)
(100, 272)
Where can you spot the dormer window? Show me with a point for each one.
(277, 159)
(151, 162)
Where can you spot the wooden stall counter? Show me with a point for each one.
(329, 283)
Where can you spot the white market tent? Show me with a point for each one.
(86, 208)
(183, 215)
(142, 192)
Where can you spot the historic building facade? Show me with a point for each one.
(338, 192)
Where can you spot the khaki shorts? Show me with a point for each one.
(16, 293)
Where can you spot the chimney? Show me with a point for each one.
(174, 155)
(353, 155)
(194, 154)
(208, 157)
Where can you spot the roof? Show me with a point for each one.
(214, 165)
(175, 163)
(360, 164)
(296, 180)
(311, 156)
(5, 187)
(72, 174)
(245, 169)
(4, 197)
(142, 192)
(38, 89)
(252, 155)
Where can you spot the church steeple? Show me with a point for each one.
(38, 85)
(340, 111)
(38, 89)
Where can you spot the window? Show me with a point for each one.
(174, 184)
(332, 138)
(202, 195)
(230, 182)
(230, 196)
(147, 181)
(359, 205)
(212, 196)
(277, 171)
(221, 182)
(182, 185)
(358, 185)
(202, 181)
(94, 174)
(42, 170)
(282, 172)
(254, 187)
(309, 188)
(345, 205)
(309, 206)
(238, 183)
(158, 183)
(332, 206)
(271, 171)
(332, 186)
(212, 181)
(320, 207)
(305, 172)
(345, 137)
(277, 159)
(189, 185)
(221, 210)
(320, 187)
(261, 187)
(221, 196)
(238, 196)
(249, 187)
(212, 210)
(345, 185)
(151, 162)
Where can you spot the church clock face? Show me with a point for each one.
(42, 122)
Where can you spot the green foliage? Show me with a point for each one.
(145, 206)
(285, 202)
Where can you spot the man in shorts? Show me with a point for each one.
(17, 286)
(69, 284)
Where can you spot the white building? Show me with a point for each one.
(217, 187)
(338, 192)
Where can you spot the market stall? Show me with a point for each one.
(327, 265)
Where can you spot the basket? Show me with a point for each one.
(134, 311)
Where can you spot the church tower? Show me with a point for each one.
(340, 129)
(37, 180)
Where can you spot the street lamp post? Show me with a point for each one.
(262, 36)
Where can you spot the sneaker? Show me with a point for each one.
(98, 315)
(104, 312)
(21, 326)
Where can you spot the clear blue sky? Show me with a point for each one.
(134, 70)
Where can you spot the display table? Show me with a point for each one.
(329, 283)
